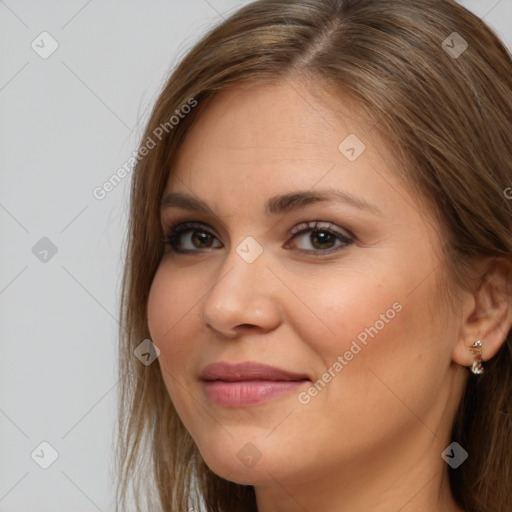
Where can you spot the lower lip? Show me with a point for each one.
(249, 392)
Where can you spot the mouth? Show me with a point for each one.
(248, 383)
(248, 370)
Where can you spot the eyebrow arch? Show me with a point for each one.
(275, 205)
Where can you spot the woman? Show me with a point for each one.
(320, 254)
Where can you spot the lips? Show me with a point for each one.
(248, 371)
(248, 384)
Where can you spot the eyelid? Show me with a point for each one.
(187, 225)
(318, 225)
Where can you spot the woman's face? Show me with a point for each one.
(348, 306)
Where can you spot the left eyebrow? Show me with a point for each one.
(296, 200)
(275, 205)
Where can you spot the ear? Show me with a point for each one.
(487, 313)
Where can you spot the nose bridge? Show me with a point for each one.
(246, 264)
(243, 293)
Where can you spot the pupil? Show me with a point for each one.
(323, 237)
(201, 238)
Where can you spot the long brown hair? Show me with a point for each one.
(449, 119)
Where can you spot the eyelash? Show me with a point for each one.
(176, 231)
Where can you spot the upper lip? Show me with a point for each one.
(247, 371)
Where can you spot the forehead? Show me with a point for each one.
(280, 129)
(283, 116)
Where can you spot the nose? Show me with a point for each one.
(243, 296)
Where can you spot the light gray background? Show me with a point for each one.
(67, 123)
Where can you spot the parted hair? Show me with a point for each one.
(448, 119)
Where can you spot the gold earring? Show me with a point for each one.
(476, 350)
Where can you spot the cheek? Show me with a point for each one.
(161, 310)
(172, 313)
(171, 300)
(346, 311)
(363, 328)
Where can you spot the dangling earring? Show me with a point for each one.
(476, 350)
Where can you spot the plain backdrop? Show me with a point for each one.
(67, 123)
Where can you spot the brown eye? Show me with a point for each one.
(322, 239)
(321, 236)
(189, 237)
(201, 239)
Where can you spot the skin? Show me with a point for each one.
(372, 438)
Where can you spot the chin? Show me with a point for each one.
(230, 468)
(246, 465)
